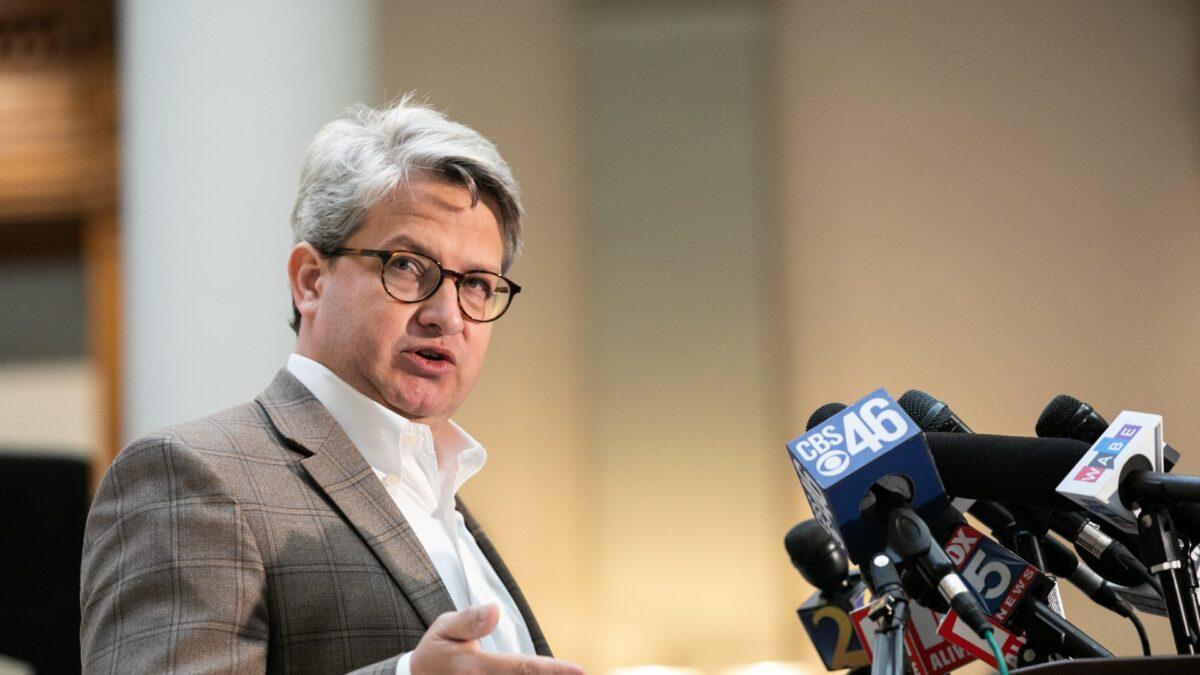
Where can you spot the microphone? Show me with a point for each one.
(1021, 536)
(1010, 469)
(1062, 563)
(823, 413)
(826, 615)
(1044, 624)
(931, 414)
(1067, 417)
(1105, 554)
(1110, 553)
(1007, 476)
(1117, 477)
(910, 537)
(1058, 559)
(867, 466)
(818, 558)
(936, 415)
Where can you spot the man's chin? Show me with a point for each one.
(419, 408)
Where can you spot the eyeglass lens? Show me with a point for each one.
(410, 277)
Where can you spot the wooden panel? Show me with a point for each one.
(102, 256)
(57, 109)
(58, 162)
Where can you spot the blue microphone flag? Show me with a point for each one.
(840, 459)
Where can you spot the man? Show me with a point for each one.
(317, 528)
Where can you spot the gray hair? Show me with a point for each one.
(360, 158)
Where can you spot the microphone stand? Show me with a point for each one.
(1026, 536)
(889, 610)
(1161, 553)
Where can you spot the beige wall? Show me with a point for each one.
(997, 203)
(511, 72)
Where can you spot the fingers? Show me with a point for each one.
(469, 624)
(449, 647)
(517, 664)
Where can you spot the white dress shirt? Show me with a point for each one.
(402, 455)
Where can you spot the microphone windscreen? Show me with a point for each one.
(1016, 469)
(823, 413)
(816, 556)
(1056, 418)
(916, 404)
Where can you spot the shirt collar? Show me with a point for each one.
(383, 436)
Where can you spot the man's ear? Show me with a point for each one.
(305, 267)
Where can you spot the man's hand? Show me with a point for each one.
(451, 645)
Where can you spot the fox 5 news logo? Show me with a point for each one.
(999, 578)
(870, 426)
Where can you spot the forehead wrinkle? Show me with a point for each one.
(408, 241)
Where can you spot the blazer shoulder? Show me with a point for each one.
(243, 431)
(218, 451)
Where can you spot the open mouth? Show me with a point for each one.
(434, 356)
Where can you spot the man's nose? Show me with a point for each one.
(440, 311)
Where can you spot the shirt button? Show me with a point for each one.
(410, 439)
(392, 480)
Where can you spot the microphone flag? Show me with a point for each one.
(838, 461)
(1094, 483)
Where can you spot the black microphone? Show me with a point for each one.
(998, 468)
(931, 414)
(823, 564)
(823, 413)
(818, 558)
(1111, 558)
(910, 537)
(893, 494)
(936, 415)
(1010, 469)
(1108, 550)
(1067, 417)
(960, 471)
(1062, 563)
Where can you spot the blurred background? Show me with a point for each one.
(738, 211)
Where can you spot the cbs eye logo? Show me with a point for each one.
(833, 462)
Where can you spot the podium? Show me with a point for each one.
(1143, 665)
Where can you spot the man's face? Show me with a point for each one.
(381, 346)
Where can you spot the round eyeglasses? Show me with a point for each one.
(411, 277)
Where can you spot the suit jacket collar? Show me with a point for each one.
(540, 645)
(341, 472)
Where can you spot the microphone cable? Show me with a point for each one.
(1141, 631)
(1001, 664)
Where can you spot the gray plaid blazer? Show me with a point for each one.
(257, 539)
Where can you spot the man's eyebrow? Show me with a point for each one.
(407, 243)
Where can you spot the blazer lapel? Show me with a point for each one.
(540, 645)
(339, 470)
